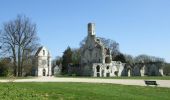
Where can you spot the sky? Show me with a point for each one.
(139, 26)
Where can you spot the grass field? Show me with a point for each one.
(80, 91)
(125, 77)
(145, 77)
(28, 77)
(122, 77)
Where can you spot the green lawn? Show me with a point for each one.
(125, 77)
(122, 77)
(145, 77)
(28, 77)
(80, 91)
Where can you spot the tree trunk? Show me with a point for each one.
(19, 61)
(15, 62)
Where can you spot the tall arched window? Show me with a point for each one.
(107, 67)
(44, 72)
(98, 68)
(107, 60)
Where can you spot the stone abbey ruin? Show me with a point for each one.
(96, 61)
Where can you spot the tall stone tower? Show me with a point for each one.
(91, 29)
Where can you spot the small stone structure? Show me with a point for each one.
(57, 70)
(42, 64)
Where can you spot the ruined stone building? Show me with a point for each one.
(96, 60)
(42, 62)
(149, 69)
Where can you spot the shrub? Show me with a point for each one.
(4, 70)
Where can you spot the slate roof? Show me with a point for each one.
(38, 51)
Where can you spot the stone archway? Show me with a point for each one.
(44, 72)
(98, 70)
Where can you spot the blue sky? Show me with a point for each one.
(139, 26)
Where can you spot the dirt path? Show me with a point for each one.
(162, 83)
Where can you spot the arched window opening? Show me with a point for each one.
(98, 68)
(44, 72)
(107, 67)
(107, 60)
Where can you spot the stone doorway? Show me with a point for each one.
(44, 72)
(98, 74)
(98, 71)
(107, 74)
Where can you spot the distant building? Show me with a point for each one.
(42, 63)
(57, 70)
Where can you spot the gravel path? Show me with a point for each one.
(162, 83)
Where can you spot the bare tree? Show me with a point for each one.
(129, 59)
(147, 59)
(18, 39)
(108, 43)
(112, 45)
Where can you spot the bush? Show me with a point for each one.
(4, 70)
(73, 75)
(166, 69)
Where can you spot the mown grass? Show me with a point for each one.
(28, 77)
(145, 77)
(80, 91)
(124, 77)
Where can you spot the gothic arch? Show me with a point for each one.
(44, 72)
(107, 60)
(98, 70)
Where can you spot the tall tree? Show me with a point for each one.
(67, 59)
(112, 45)
(120, 57)
(129, 59)
(18, 39)
(75, 56)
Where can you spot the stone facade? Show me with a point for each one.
(108, 69)
(153, 69)
(42, 65)
(143, 69)
(96, 60)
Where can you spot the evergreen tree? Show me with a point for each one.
(67, 59)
